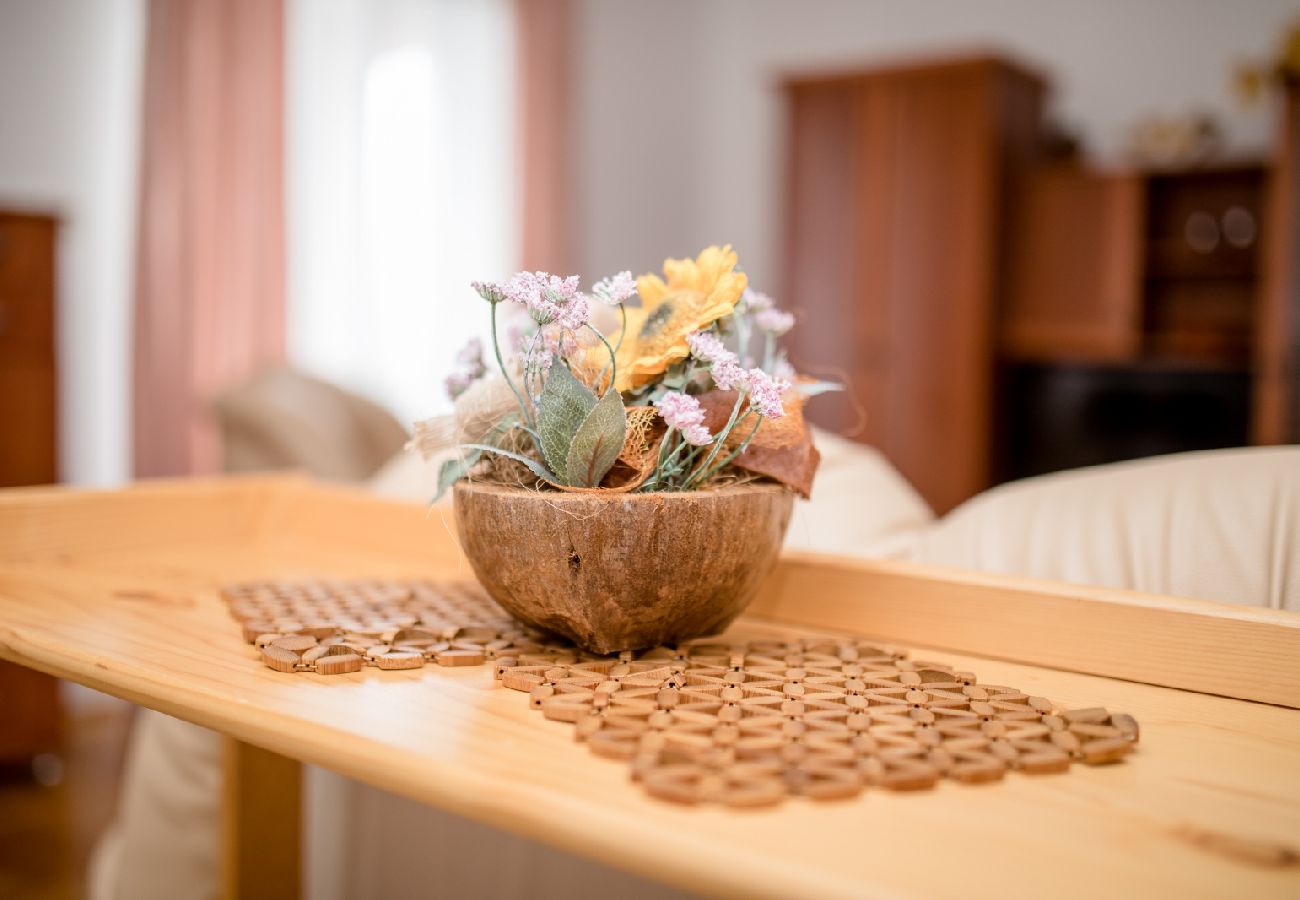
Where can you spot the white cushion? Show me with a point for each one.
(1216, 525)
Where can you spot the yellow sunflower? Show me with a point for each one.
(698, 292)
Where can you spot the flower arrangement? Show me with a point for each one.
(594, 392)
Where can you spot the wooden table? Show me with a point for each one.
(117, 590)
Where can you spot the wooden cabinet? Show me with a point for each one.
(960, 284)
(1276, 351)
(28, 453)
(29, 701)
(1074, 287)
(1159, 267)
(897, 188)
(1202, 267)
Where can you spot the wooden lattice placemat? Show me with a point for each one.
(742, 724)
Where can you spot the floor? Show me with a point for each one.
(52, 812)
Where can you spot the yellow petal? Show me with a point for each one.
(715, 262)
(727, 292)
(682, 274)
(652, 290)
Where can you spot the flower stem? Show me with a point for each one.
(705, 476)
(719, 440)
(613, 359)
(689, 462)
(670, 465)
(496, 348)
(622, 331)
(530, 365)
(659, 462)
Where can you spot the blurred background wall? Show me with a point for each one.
(70, 94)
(704, 131)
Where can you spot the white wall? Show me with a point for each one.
(69, 116)
(679, 120)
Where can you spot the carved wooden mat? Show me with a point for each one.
(747, 723)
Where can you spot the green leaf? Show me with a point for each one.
(676, 377)
(453, 470)
(564, 406)
(813, 388)
(598, 441)
(533, 465)
(503, 427)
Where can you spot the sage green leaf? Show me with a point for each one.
(453, 470)
(503, 427)
(564, 406)
(813, 388)
(675, 378)
(533, 465)
(598, 441)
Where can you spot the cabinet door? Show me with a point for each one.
(896, 189)
(29, 700)
(26, 280)
(27, 449)
(1075, 268)
(840, 334)
(936, 216)
(1276, 413)
(27, 379)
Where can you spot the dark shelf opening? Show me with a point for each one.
(1065, 416)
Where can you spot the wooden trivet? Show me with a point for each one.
(742, 724)
(333, 627)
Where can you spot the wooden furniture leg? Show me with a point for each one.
(261, 808)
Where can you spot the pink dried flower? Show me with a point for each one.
(708, 347)
(491, 291)
(551, 340)
(458, 383)
(538, 356)
(684, 413)
(575, 313)
(765, 393)
(728, 374)
(469, 368)
(615, 289)
(723, 364)
(774, 321)
(755, 301)
(549, 298)
(471, 355)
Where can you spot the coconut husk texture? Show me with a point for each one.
(626, 571)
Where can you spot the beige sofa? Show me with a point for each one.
(1221, 525)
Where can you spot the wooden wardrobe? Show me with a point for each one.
(898, 182)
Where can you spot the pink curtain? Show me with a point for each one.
(210, 258)
(545, 42)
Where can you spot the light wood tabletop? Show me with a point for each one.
(118, 591)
